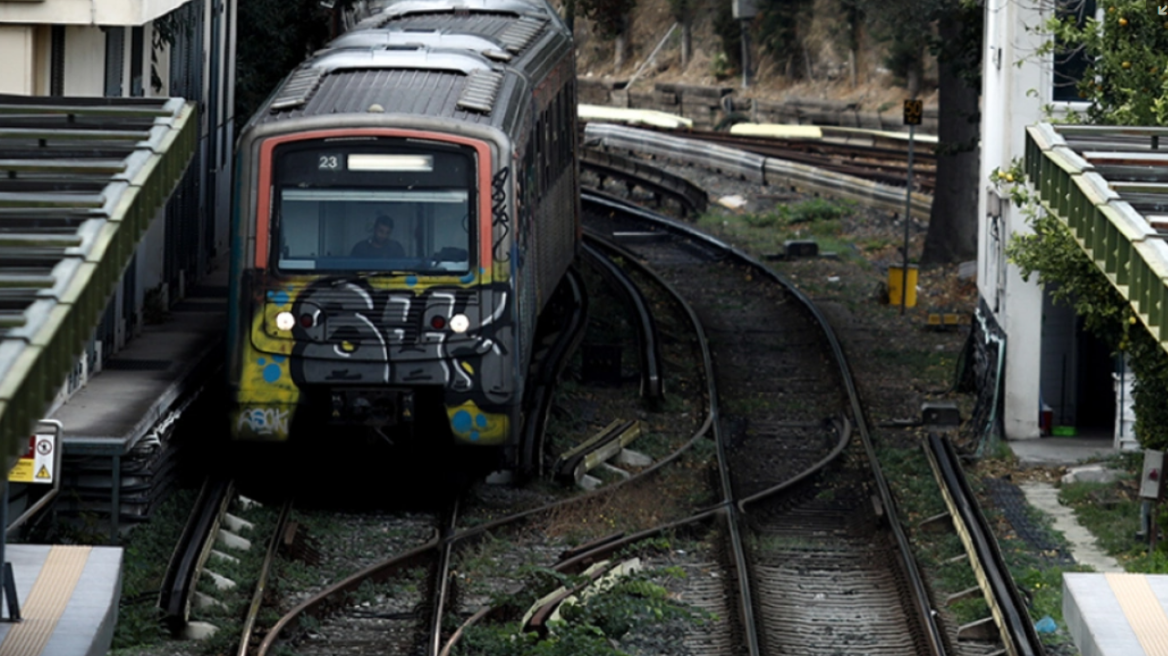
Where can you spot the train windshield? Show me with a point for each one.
(374, 205)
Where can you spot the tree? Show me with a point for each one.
(683, 12)
(952, 235)
(611, 20)
(1126, 81)
(274, 37)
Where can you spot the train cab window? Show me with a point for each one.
(374, 207)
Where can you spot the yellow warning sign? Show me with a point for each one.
(22, 472)
(37, 464)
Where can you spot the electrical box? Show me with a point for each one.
(1153, 473)
(744, 9)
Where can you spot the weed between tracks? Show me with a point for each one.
(597, 621)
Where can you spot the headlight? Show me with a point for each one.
(285, 321)
(459, 323)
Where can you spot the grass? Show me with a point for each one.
(1111, 512)
(816, 218)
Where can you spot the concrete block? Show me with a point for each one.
(199, 630)
(222, 557)
(1090, 474)
(233, 541)
(589, 483)
(615, 471)
(801, 247)
(631, 458)
(202, 601)
(237, 524)
(221, 582)
(940, 413)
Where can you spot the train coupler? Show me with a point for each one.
(371, 407)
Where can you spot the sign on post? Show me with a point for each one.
(914, 111)
(38, 464)
(1150, 480)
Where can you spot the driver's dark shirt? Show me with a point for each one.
(367, 249)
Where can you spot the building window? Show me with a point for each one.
(137, 36)
(57, 61)
(115, 57)
(1070, 64)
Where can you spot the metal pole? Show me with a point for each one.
(907, 220)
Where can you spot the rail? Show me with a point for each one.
(755, 168)
(1009, 611)
(918, 593)
(652, 383)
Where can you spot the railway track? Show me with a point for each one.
(798, 575)
(774, 357)
(809, 571)
(869, 175)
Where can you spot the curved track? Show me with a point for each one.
(781, 380)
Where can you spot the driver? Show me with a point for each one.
(380, 245)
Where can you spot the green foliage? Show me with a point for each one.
(1053, 254)
(730, 34)
(808, 211)
(778, 30)
(1125, 80)
(274, 37)
(589, 626)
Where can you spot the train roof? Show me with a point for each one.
(456, 60)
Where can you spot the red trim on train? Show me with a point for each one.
(264, 204)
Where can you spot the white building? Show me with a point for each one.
(1050, 362)
(140, 48)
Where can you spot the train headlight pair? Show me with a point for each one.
(458, 323)
(286, 320)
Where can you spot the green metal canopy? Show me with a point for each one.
(1109, 185)
(80, 181)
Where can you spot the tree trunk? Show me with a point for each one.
(620, 52)
(952, 235)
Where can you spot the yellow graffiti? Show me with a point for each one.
(265, 386)
(467, 368)
(471, 425)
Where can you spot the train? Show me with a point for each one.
(406, 204)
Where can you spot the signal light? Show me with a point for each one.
(438, 323)
(284, 321)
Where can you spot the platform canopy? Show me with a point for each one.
(80, 181)
(1109, 185)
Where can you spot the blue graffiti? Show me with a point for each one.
(272, 373)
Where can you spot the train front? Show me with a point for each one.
(367, 292)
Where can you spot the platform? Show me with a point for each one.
(1117, 614)
(68, 600)
(114, 424)
(1048, 451)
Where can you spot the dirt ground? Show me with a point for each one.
(826, 77)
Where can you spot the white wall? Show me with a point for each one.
(84, 61)
(86, 12)
(17, 48)
(1013, 96)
